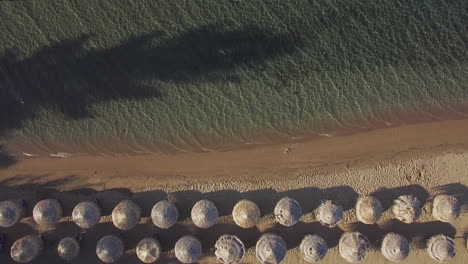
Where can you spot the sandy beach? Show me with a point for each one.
(421, 159)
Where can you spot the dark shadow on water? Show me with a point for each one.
(68, 78)
(6, 159)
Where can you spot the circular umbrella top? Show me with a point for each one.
(188, 249)
(441, 248)
(313, 248)
(229, 249)
(288, 211)
(126, 215)
(353, 246)
(270, 249)
(446, 208)
(26, 249)
(47, 212)
(86, 214)
(368, 210)
(109, 248)
(68, 248)
(395, 247)
(330, 213)
(407, 208)
(148, 250)
(11, 213)
(204, 214)
(246, 214)
(164, 214)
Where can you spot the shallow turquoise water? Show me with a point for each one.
(118, 76)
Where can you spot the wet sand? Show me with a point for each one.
(423, 159)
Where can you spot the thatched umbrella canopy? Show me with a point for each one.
(446, 208)
(270, 249)
(229, 249)
(246, 214)
(407, 208)
(148, 250)
(353, 246)
(329, 213)
(126, 215)
(204, 214)
(11, 213)
(288, 211)
(109, 248)
(27, 248)
(441, 248)
(164, 214)
(188, 249)
(68, 248)
(86, 214)
(313, 247)
(395, 247)
(47, 212)
(368, 210)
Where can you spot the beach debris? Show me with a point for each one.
(86, 214)
(109, 248)
(441, 248)
(407, 208)
(288, 211)
(204, 214)
(148, 250)
(126, 215)
(229, 249)
(287, 150)
(164, 214)
(313, 248)
(26, 248)
(395, 247)
(11, 212)
(246, 214)
(446, 208)
(270, 249)
(188, 249)
(368, 210)
(329, 213)
(68, 248)
(353, 246)
(47, 212)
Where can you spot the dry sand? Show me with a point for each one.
(423, 159)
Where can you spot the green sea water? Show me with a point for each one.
(134, 76)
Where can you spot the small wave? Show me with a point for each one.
(60, 155)
(30, 155)
(325, 135)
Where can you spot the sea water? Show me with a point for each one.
(91, 76)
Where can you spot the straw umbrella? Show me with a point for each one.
(395, 247)
(246, 214)
(126, 215)
(148, 250)
(164, 214)
(313, 248)
(27, 248)
(446, 208)
(441, 248)
(353, 246)
(407, 208)
(109, 248)
(188, 249)
(47, 212)
(86, 214)
(329, 213)
(368, 210)
(270, 249)
(68, 248)
(11, 213)
(288, 211)
(204, 214)
(229, 249)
